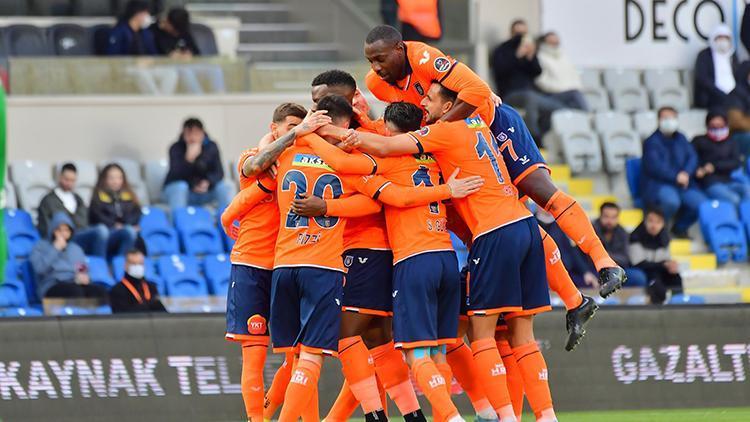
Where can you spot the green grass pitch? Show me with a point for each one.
(732, 414)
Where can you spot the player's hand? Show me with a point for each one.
(709, 167)
(82, 278)
(350, 139)
(202, 186)
(312, 122)
(233, 230)
(496, 99)
(309, 206)
(461, 188)
(359, 104)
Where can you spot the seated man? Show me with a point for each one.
(560, 77)
(134, 293)
(668, 165)
(615, 240)
(649, 250)
(738, 109)
(196, 172)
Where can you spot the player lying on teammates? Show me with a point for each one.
(506, 258)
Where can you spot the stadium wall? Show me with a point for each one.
(178, 367)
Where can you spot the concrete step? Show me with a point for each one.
(274, 33)
(246, 12)
(271, 52)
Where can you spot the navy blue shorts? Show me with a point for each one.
(426, 300)
(520, 152)
(507, 272)
(248, 304)
(306, 309)
(369, 282)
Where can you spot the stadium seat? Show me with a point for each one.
(591, 78)
(675, 97)
(645, 123)
(11, 201)
(99, 36)
(630, 99)
(661, 78)
(21, 232)
(99, 271)
(70, 40)
(581, 151)
(597, 98)
(181, 276)
(612, 121)
(21, 312)
(26, 273)
(570, 121)
(198, 232)
(227, 241)
(618, 79)
(723, 231)
(692, 122)
(688, 81)
(217, 269)
(204, 39)
(33, 180)
(745, 211)
(617, 147)
(685, 299)
(155, 172)
(158, 234)
(26, 40)
(71, 311)
(87, 176)
(12, 293)
(152, 275)
(633, 175)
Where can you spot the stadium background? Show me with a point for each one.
(87, 110)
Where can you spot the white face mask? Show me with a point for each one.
(723, 45)
(136, 271)
(147, 21)
(668, 126)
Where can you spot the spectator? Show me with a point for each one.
(668, 163)
(714, 69)
(131, 35)
(93, 239)
(745, 27)
(739, 109)
(196, 172)
(580, 269)
(115, 205)
(420, 20)
(60, 265)
(718, 158)
(649, 251)
(616, 240)
(134, 293)
(559, 77)
(515, 66)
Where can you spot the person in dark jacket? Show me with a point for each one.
(515, 67)
(115, 205)
(580, 268)
(745, 27)
(715, 67)
(196, 172)
(131, 35)
(718, 158)
(93, 239)
(134, 293)
(667, 166)
(60, 265)
(649, 251)
(616, 240)
(738, 109)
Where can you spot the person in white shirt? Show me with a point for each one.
(559, 76)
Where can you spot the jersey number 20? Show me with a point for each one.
(299, 180)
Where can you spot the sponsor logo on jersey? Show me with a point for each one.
(425, 57)
(436, 381)
(256, 325)
(348, 261)
(475, 122)
(442, 64)
(498, 370)
(362, 260)
(419, 88)
(502, 137)
(310, 160)
(424, 131)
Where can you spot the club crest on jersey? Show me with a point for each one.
(442, 64)
(348, 261)
(419, 88)
(310, 160)
(424, 158)
(256, 325)
(424, 131)
(502, 137)
(475, 122)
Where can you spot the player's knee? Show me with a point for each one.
(538, 186)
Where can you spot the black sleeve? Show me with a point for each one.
(121, 300)
(209, 163)
(619, 250)
(532, 66)
(745, 28)
(192, 46)
(99, 212)
(44, 217)
(502, 63)
(179, 168)
(729, 163)
(131, 213)
(81, 217)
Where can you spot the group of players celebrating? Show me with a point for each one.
(343, 247)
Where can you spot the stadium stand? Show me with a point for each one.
(87, 175)
(198, 231)
(182, 276)
(158, 234)
(22, 235)
(70, 40)
(99, 271)
(33, 180)
(152, 275)
(216, 269)
(723, 231)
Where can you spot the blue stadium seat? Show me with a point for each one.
(72, 310)
(633, 174)
(745, 211)
(217, 269)
(226, 240)
(26, 40)
(21, 312)
(118, 270)
(198, 233)
(26, 273)
(99, 271)
(462, 253)
(204, 39)
(684, 299)
(723, 231)
(22, 235)
(158, 234)
(12, 293)
(70, 40)
(182, 276)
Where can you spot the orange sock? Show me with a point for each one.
(573, 220)
(461, 360)
(393, 372)
(344, 406)
(491, 374)
(433, 385)
(535, 375)
(514, 377)
(557, 275)
(311, 412)
(275, 394)
(358, 368)
(303, 386)
(447, 373)
(383, 395)
(253, 360)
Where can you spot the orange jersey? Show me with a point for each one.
(314, 241)
(411, 230)
(426, 64)
(468, 144)
(256, 241)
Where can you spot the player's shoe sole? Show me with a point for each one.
(611, 280)
(478, 418)
(576, 320)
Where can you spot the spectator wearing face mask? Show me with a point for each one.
(738, 109)
(668, 163)
(134, 293)
(559, 77)
(715, 68)
(718, 157)
(131, 36)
